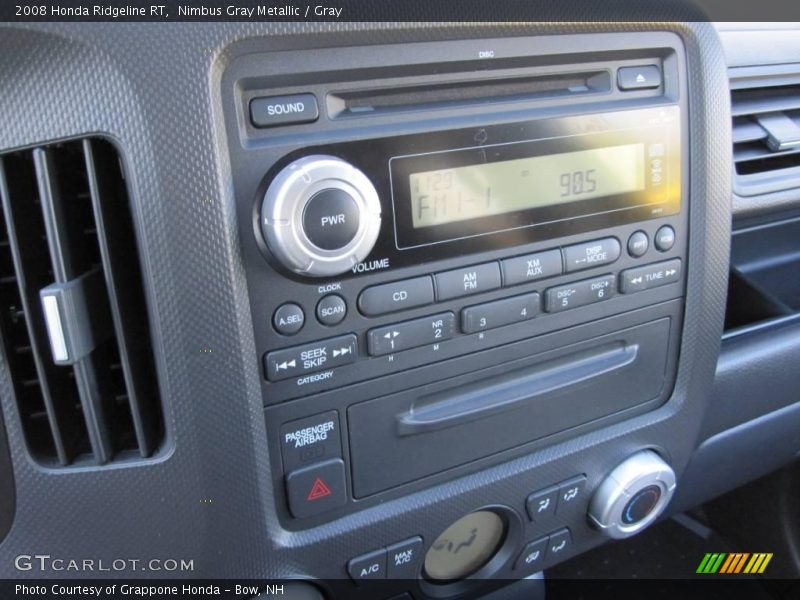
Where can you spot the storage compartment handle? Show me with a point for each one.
(460, 405)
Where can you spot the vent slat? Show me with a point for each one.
(69, 268)
(19, 206)
(745, 130)
(763, 108)
(125, 292)
(68, 259)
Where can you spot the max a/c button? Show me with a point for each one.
(316, 489)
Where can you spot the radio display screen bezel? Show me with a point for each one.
(657, 128)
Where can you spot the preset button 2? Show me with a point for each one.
(411, 334)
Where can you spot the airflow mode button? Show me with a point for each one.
(283, 110)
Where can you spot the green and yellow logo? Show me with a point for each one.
(734, 562)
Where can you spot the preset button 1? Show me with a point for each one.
(308, 358)
(411, 334)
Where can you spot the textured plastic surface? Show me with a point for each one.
(155, 88)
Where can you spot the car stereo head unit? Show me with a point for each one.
(395, 201)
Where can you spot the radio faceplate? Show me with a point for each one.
(454, 296)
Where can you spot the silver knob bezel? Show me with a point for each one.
(285, 201)
(637, 472)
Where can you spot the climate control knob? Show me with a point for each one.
(633, 495)
(320, 216)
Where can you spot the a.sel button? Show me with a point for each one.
(591, 254)
(499, 313)
(289, 362)
(402, 336)
(310, 440)
(316, 489)
(466, 281)
(531, 267)
(650, 276)
(398, 295)
(579, 293)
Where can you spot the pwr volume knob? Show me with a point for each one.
(320, 216)
(633, 495)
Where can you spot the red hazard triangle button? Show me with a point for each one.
(318, 490)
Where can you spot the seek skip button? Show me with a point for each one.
(308, 358)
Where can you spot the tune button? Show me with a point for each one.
(331, 310)
(330, 219)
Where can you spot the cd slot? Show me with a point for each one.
(465, 93)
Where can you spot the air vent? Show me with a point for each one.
(765, 105)
(74, 321)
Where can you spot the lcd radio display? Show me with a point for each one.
(574, 173)
(449, 195)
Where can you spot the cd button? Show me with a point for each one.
(591, 254)
(467, 281)
(330, 219)
(398, 295)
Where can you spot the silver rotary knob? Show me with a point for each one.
(320, 216)
(633, 495)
